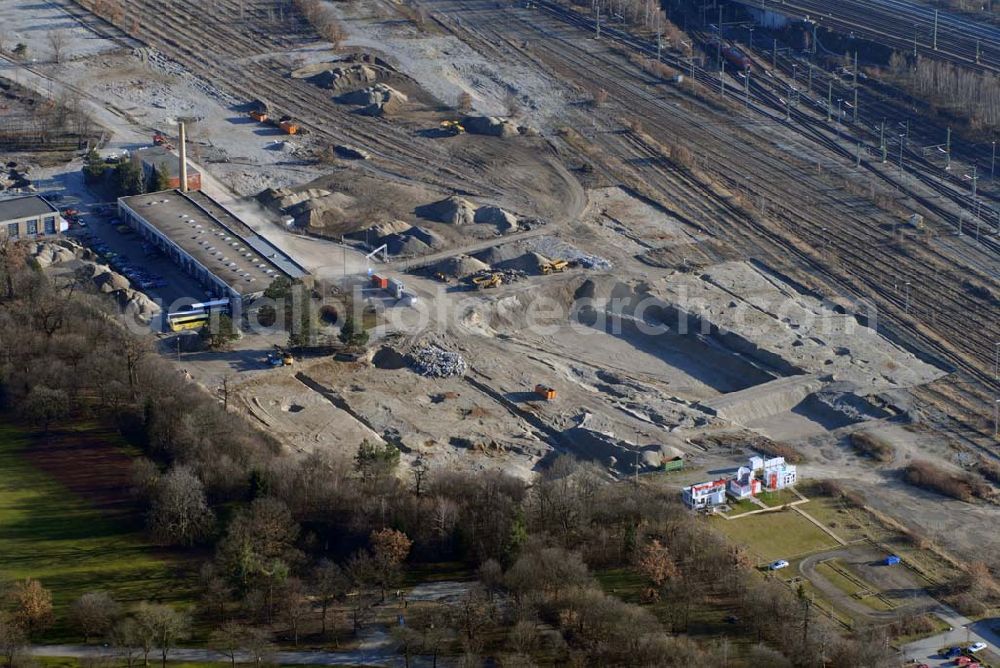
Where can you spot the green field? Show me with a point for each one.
(49, 533)
(776, 535)
(778, 498)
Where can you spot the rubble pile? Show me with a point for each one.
(436, 362)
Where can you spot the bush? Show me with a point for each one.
(778, 449)
(869, 445)
(961, 486)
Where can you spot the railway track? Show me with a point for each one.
(238, 65)
(901, 25)
(865, 268)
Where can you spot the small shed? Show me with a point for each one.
(891, 560)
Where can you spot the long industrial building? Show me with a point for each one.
(210, 243)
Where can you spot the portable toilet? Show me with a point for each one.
(891, 560)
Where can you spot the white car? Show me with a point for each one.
(975, 647)
(778, 565)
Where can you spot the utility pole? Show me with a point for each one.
(907, 307)
(718, 44)
(746, 90)
(810, 86)
(881, 141)
(935, 28)
(901, 140)
(774, 55)
(855, 87)
(947, 145)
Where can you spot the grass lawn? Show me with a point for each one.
(49, 533)
(742, 506)
(776, 535)
(778, 498)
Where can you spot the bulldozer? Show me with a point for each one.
(488, 281)
(454, 127)
(555, 266)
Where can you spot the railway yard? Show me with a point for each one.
(690, 255)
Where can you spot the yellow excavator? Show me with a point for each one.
(454, 127)
(555, 266)
(488, 281)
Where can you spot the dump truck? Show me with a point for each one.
(380, 282)
(259, 115)
(545, 392)
(555, 266)
(289, 127)
(488, 281)
(454, 127)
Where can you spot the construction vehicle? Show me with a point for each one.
(545, 392)
(288, 126)
(279, 357)
(441, 276)
(454, 127)
(160, 140)
(555, 266)
(488, 281)
(259, 115)
(917, 221)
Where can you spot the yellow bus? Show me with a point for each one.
(183, 322)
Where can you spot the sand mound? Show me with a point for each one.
(494, 126)
(452, 210)
(494, 215)
(460, 266)
(347, 77)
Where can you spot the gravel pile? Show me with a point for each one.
(556, 248)
(436, 362)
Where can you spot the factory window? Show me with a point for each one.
(33, 226)
(50, 225)
(13, 230)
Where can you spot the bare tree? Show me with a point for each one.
(94, 613)
(228, 640)
(129, 643)
(162, 626)
(180, 513)
(57, 43)
(12, 640)
(293, 606)
(329, 584)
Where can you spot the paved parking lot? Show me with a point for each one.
(126, 252)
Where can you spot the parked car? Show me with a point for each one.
(975, 647)
(952, 652)
(778, 565)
